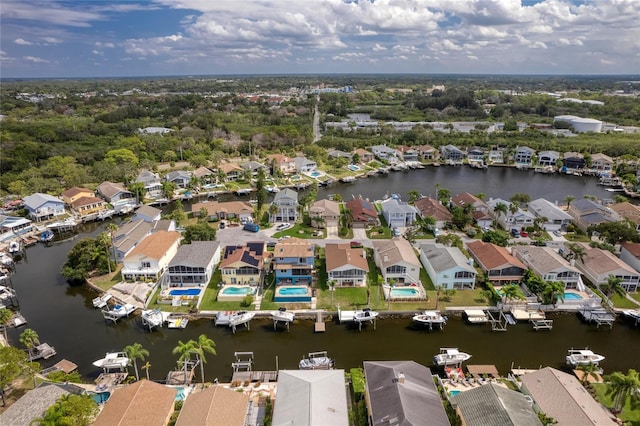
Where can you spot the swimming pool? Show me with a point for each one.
(185, 292)
(291, 291)
(572, 296)
(234, 291)
(101, 397)
(454, 392)
(353, 167)
(315, 174)
(404, 292)
(292, 294)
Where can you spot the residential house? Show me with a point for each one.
(10, 226)
(548, 158)
(383, 152)
(602, 163)
(397, 261)
(586, 213)
(154, 130)
(475, 155)
(573, 160)
(408, 153)
(398, 213)
(150, 258)
(243, 265)
(336, 153)
(496, 155)
(428, 207)
(193, 264)
(563, 398)
(447, 267)
(147, 213)
(597, 265)
(363, 213)
(41, 206)
(402, 393)
(254, 167)
(293, 261)
(325, 213)
(31, 406)
(553, 217)
(630, 254)
(214, 406)
(628, 211)
(204, 175)
(231, 171)
(546, 263)
(346, 266)
(312, 398)
(283, 163)
(128, 235)
(182, 178)
(523, 155)
(152, 183)
(115, 193)
(480, 211)
(71, 195)
(427, 152)
(498, 265)
(219, 210)
(88, 207)
(142, 403)
(364, 155)
(284, 207)
(494, 404)
(451, 154)
(519, 220)
(304, 165)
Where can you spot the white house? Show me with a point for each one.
(43, 206)
(397, 213)
(383, 152)
(149, 259)
(630, 254)
(519, 220)
(556, 218)
(194, 263)
(397, 261)
(286, 206)
(181, 178)
(597, 265)
(548, 265)
(304, 165)
(152, 183)
(548, 158)
(447, 267)
(346, 266)
(523, 155)
(147, 213)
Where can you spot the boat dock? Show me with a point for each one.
(476, 316)
(319, 326)
(358, 317)
(43, 351)
(544, 324)
(255, 376)
(527, 314)
(499, 321)
(243, 362)
(108, 381)
(65, 366)
(597, 315)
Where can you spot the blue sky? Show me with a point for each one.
(85, 38)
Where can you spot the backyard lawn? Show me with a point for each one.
(631, 416)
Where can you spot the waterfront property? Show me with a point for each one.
(363, 213)
(231, 171)
(304, 165)
(586, 212)
(346, 266)
(465, 198)
(284, 207)
(243, 265)
(630, 254)
(152, 184)
(498, 265)
(283, 163)
(598, 265)
(383, 152)
(452, 154)
(115, 193)
(523, 155)
(10, 226)
(43, 206)
(429, 207)
(216, 210)
(397, 213)
(627, 211)
(235, 293)
(311, 397)
(397, 261)
(253, 167)
(403, 390)
(548, 158)
(130, 234)
(447, 267)
(193, 264)
(549, 265)
(555, 219)
(518, 219)
(147, 213)
(292, 294)
(324, 213)
(293, 260)
(149, 259)
(364, 155)
(182, 178)
(213, 406)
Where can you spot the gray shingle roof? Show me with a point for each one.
(34, 403)
(36, 200)
(443, 258)
(545, 208)
(496, 406)
(196, 254)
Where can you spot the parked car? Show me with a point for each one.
(515, 233)
(222, 225)
(524, 234)
(557, 233)
(283, 226)
(356, 244)
(251, 227)
(396, 232)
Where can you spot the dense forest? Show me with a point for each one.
(56, 134)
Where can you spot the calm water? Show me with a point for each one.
(64, 317)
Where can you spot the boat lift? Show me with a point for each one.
(498, 322)
(350, 316)
(243, 362)
(598, 315)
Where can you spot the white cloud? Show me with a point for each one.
(47, 12)
(22, 42)
(106, 45)
(35, 59)
(52, 40)
(378, 47)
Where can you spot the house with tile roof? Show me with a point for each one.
(397, 261)
(498, 265)
(464, 199)
(150, 258)
(495, 405)
(563, 398)
(427, 152)
(363, 213)
(402, 393)
(231, 171)
(586, 213)
(324, 213)
(447, 267)
(573, 160)
(41, 206)
(286, 206)
(364, 155)
(115, 193)
(214, 406)
(630, 254)
(628, 211)
(346, 266)
(243, 264)
(601, 162)
(71, 195)
(398, 213)
(141, 403)
(548, 265)
(283, 163)
(205, 175)
(219, 210)
(88, 208)
(429, 207)
(194, 264)
(311, 398)
(597, 265)
(555, 219)
(293, 262)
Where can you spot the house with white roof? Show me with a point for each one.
(383, 152)
(193, 264)
(523, 155)
(398, 213)
(150, 258)
(397, 261)
(556, 218)
(546, 263)
(147, 213)
(346, 266)
(43, 206)
(548, 158)
(10, 226)
(304, 165)
(447, 267)
(598, 265)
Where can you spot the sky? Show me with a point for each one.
(86, 38)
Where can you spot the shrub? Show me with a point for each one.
(247, 301)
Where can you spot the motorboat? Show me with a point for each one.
(450, 356)
(430, 318)
(101, 301)
(63, 225)
(15, 247)
(241, 317)
(282, 315)
(476, 316)
(153, 318)
(317, 361)
(5, 259)
(120, 311)
(47, 236)
(576, 357)
(365, 315)
(112, 361)
(177, 322)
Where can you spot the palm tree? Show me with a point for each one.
(577, 251)
(614, 287)
(30, 339)
(512, 292)
(135, 352)
(5, 317)
(104, 240)
(346, 218)
(337, 198)
(202, 345)
(553, 290)
(622, 387)
(112, 228)
(588, 370)
(414, 195)
(273, 211)
(184, 349)
(501, 208)
(146, 367)
(569, 199)
(513, 207)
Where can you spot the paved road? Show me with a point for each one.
(238, 236)
(316, 122)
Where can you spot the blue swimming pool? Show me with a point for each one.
(353, 167)
(315, 174)
(572, 296)
(234, 291)
(292, 294)
(404, 292)
(101, 397)
(180, 396)
(185, 292)
(292, 291)
(454, 392)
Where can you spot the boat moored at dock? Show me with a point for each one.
(450, 356)
(317, 361)
(113, 361)
(153, 318)
(430, 319)
(476, 316)
(101, 301)
(43, 351)
(577, 357)
(115, 312)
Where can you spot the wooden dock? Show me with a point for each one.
(498, 322)
(319, 326)
(544, 324)
(598, 315)
(255, 376)
(243, 362)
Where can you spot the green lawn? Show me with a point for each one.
(577, 238)
(635, 295)
(209, 302)
(630, 416)
(622, 302)
(298, 230)
(379, 232)
(153, 304)
(105, 282)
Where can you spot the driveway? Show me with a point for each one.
(332, 232)
(360, 234)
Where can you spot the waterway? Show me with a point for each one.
(64, 317)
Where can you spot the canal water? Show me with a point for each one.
(64, 317)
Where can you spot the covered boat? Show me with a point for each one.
(101, 301)
(317, 361)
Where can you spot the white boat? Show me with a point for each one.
(120, 311)
(101, 301)
(272, 189)
(450, 356)
(576, 357)
(365, 315)
(476, 316)
(153, 318)
(63, 225)
(430, 318)
(15, 247)
(316, 361)
(177, 322)
(240, 318)
(112, 361)
(282, 315)
(5, 259)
